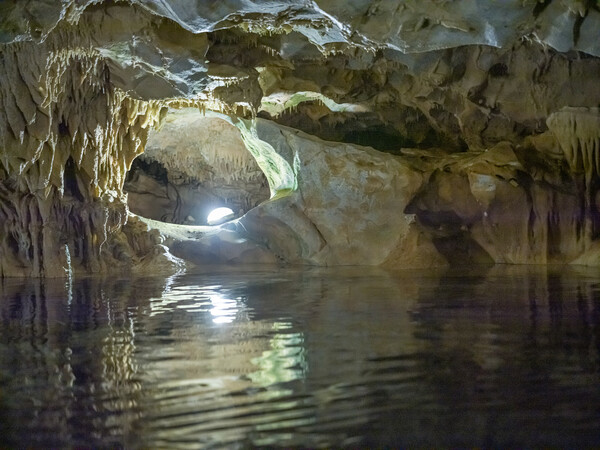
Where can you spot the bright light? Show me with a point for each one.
(223, 309)
(219, 215)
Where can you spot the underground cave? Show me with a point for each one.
(410, 252)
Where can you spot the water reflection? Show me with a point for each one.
(284, 361)
(495, 356)
(224, 310)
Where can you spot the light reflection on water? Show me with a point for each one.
(502, 356)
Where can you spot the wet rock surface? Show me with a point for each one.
(486, 113)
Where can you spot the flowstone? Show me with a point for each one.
(67, 140)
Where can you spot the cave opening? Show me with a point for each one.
(192, 165)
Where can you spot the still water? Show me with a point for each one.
(497, 356)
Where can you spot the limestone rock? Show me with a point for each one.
(486, 113)
(358, 206)
(192, 165)
(66, 143)
(349, 205)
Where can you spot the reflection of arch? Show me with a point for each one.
(469, 339)
(284, 361)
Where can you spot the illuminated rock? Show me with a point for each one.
(486, 112)
(191, 165)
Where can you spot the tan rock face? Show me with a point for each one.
(487, 113)
(348, 207)
(67, 139)
(358, 206)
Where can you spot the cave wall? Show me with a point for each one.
(67, 139)
(486, 113)
(358, 206)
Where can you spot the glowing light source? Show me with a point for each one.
(219, 215)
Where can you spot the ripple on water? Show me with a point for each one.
(303, 358)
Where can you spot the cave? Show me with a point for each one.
(192, 165)
(410, 222)
(381, 149)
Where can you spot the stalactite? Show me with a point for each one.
(212, 153)
(67, 139)
(578, 133)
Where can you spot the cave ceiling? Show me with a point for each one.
(390, 74)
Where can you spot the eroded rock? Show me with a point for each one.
(67, 139)
(192, 165)
(359, 206)
(487, 112)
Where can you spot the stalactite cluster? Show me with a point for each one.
(67, 139)
(578, 132)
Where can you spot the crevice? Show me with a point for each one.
(12, 244)
(540, 6)
(63, 128)
(460, 249)
(71, 187)
(577, 28)
(498, 70)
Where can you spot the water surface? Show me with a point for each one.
(354, 357)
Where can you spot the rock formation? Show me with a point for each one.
(193, 165)
(396, 133)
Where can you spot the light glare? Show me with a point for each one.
(219, 215)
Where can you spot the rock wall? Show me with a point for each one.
(487, 113)
(421, 209)
(67, 139)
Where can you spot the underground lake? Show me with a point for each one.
(497, 356)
